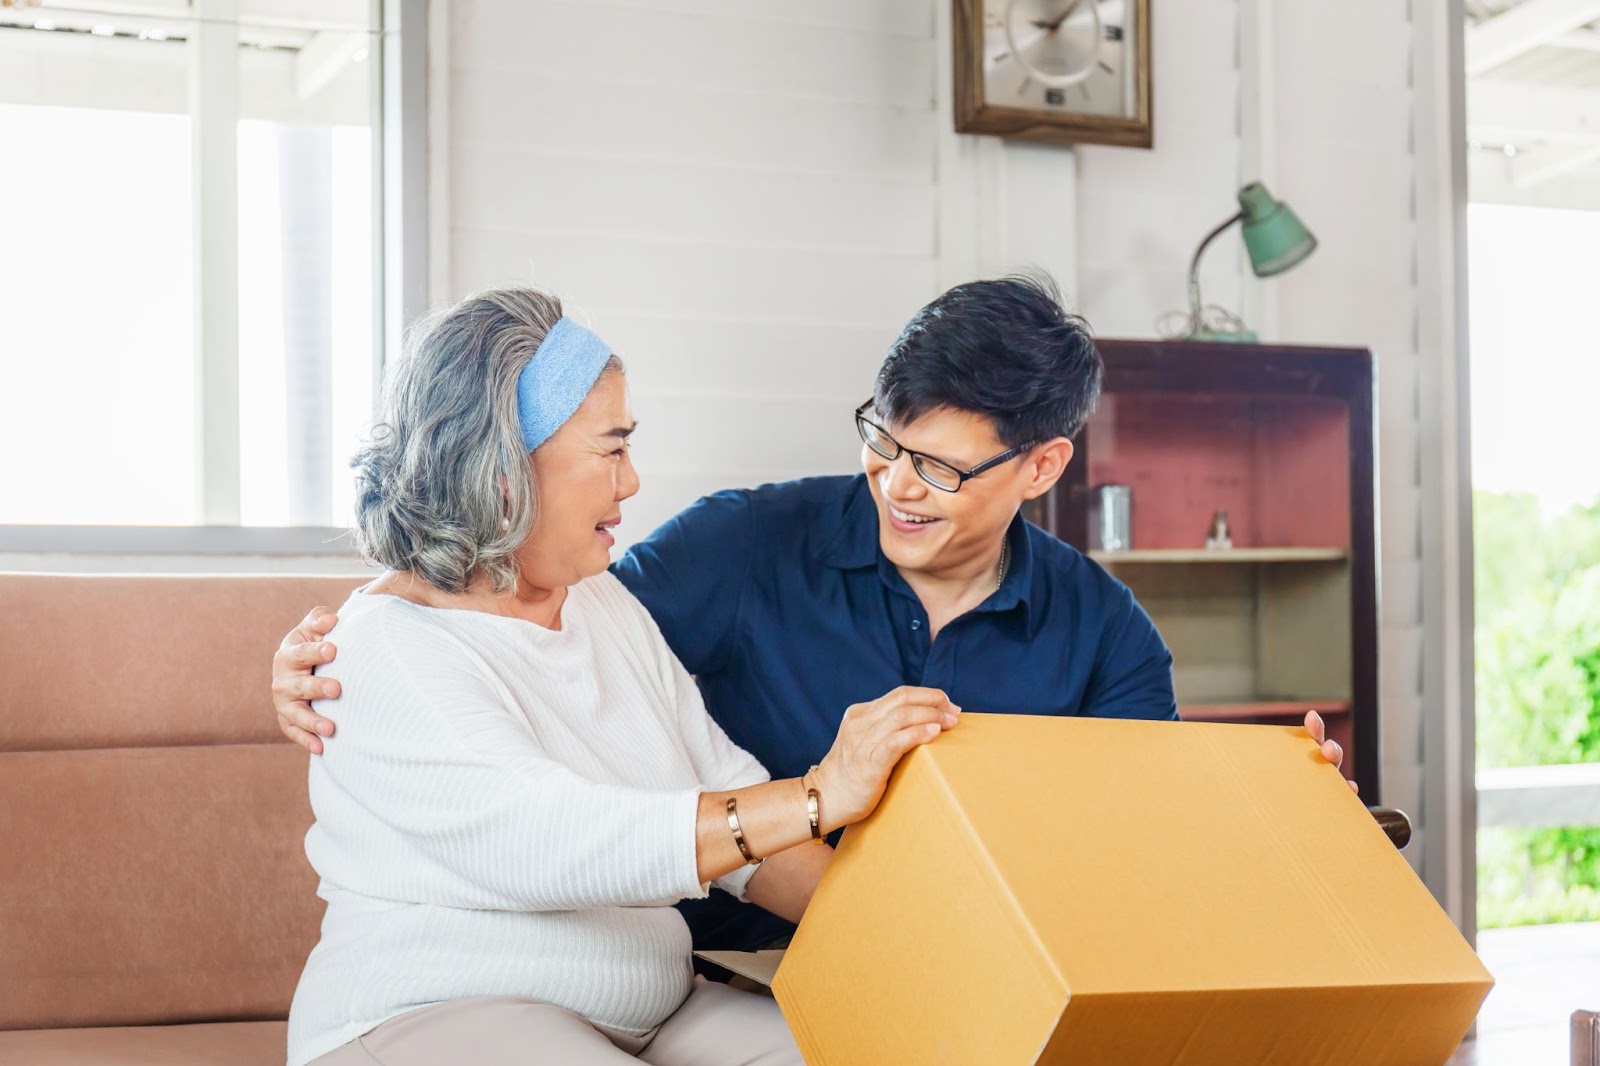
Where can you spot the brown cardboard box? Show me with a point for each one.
(1049, 890)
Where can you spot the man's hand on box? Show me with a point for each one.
(294, 685)
(1330, 749)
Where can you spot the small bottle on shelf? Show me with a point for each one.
(1219, 538)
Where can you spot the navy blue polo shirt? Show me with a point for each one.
(781, 603)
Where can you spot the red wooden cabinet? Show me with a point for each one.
(1281, 439)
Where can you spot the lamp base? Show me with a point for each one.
(1244, 336)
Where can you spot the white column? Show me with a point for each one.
(405, 77)
(441, 275)
(1258, 150)
(214, 105)
(1450, 793)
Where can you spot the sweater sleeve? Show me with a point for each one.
(720, 763)
(432, 793)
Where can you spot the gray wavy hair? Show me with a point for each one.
(443, 488)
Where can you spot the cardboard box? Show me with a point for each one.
(1058, 890)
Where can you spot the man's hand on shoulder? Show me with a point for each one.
(294, 685)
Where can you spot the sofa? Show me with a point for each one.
(156, 905)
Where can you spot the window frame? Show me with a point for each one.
(400, 278)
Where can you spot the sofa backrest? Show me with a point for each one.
(152, 817)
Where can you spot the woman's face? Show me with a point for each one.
(582, 474)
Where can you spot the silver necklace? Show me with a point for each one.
(1005, 557)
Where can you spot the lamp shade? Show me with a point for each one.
(1275, 238)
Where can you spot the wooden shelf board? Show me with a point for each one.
(1227, 712)
(1224, 555)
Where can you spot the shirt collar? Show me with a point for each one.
(1016, 587)
(854, 546)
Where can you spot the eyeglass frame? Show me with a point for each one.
(962, 476)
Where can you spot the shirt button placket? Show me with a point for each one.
(939, 668)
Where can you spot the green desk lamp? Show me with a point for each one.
(1276, 240)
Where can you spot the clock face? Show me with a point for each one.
(1065, 56)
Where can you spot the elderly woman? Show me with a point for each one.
(525, 779)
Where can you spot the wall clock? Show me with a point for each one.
(1057, 71)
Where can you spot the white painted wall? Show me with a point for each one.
(747, 201)
(1141, 213)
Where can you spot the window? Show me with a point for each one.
(191, 324)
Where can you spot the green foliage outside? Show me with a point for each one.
(1538, 695)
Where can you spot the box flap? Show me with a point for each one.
(1190, 856)
(759, 966)
(1037, 890)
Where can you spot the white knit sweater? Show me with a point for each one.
(507, 810)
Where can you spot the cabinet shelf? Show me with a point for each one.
(1233, 711)
(1220, 556)
(1280, 439)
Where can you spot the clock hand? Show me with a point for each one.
(1023, 46)
(1052, 25)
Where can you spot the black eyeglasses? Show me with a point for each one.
(936, 472)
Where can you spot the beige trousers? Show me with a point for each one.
(715, 1026)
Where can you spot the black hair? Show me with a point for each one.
(1005, 349)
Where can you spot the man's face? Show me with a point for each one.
(925, 530)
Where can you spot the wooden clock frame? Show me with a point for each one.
(973, 115)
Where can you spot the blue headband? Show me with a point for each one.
(557, 378)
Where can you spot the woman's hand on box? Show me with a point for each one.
(871, 740)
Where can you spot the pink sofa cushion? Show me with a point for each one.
(223, 1044)
(152, 885)
(118, 661)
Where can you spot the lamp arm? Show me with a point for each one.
(1194, 271)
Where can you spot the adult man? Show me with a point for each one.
(791, 602)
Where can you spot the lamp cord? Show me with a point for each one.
(1200, 317)
(1213, 318)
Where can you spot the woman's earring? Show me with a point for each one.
(505, 524)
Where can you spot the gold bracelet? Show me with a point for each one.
(738, 833)
(813, 807)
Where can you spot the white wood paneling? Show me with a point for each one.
(774, 437)
(641, 48)
(627, 275)
(734, 359)
(911, 18)
(1141, 214)
(1372, 116)
(1511, 33)
(749, 201)
(528, 110)
(691, 203)
(1401, 729)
